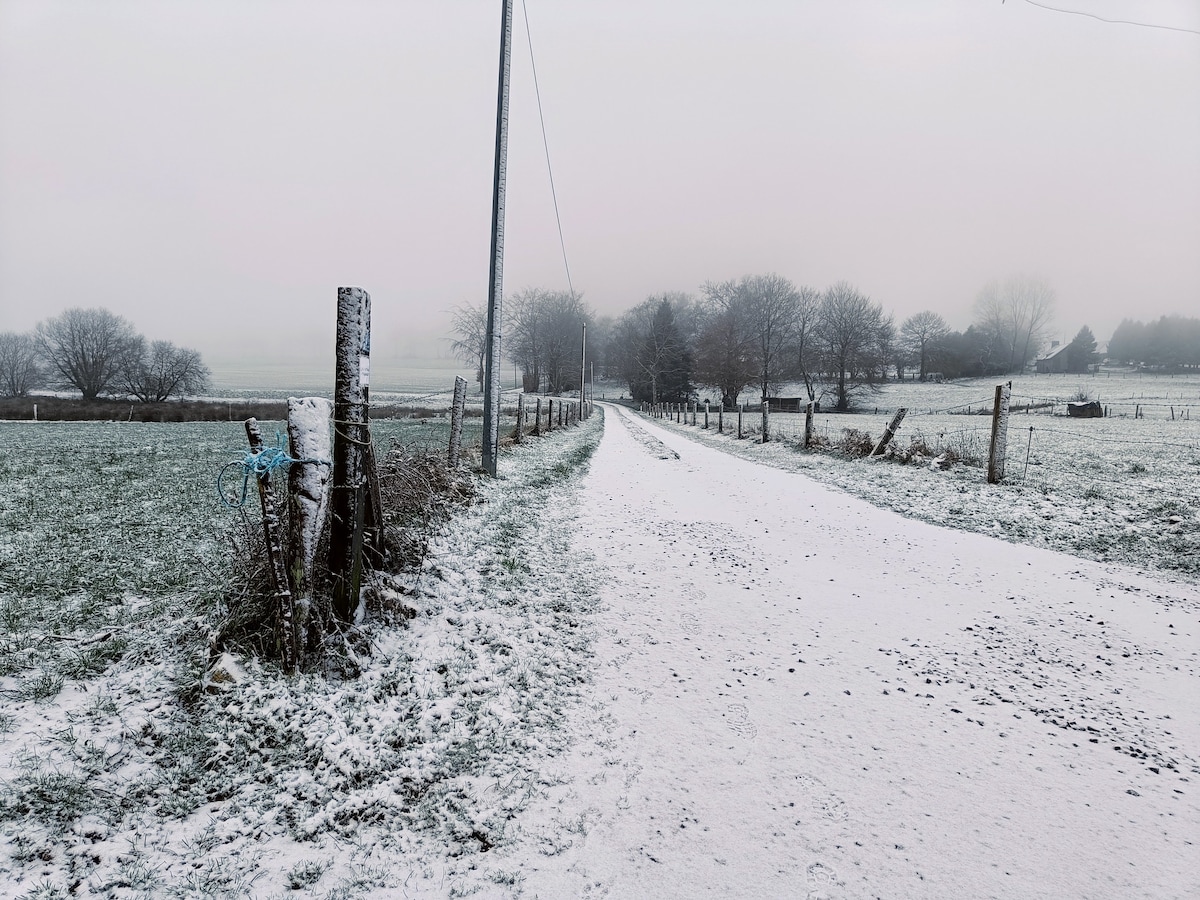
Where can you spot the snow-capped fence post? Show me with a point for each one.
(519, 434)
(766, 421)
(285, 621)
(308, 502)
(999, 433)
(808, 424)
(889, 432)
(741, 409)
(351, 436)
(706, 415)
(457, 407)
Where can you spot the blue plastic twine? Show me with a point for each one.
(260, 465)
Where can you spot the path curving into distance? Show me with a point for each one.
(798, 694)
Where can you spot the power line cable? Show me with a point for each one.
(1076, 12)
(546, 144)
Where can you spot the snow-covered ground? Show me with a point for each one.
(681, 674)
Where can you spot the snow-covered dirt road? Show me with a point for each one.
(798, 694)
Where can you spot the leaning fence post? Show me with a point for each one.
(889, 432)
(766, 422)
(999, 433)
(351, 435)
(308, 501)
(457, 407)
(285, 618)
(808, 425)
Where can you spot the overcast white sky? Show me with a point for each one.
(213, 170)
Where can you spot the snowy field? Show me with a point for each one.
(649, 668)
(1119, 489)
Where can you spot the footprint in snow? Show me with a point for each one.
(690, 623)
(738, 719)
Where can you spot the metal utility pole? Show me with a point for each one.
(582, 373)
(491, 371)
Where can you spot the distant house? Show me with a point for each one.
(1055, 360)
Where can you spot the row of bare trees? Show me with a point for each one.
(97, 352)
(761, 331)
(542, 335)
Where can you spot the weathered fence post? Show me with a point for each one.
(766, 422)
(285, 618)
(889, 432)
(999, 433)
(721, 417)
(741, 409)
(519, 434)
(560, 414)
(808, 425)
(308, 502)
(351, 437)
(706, 415)
(457, 407)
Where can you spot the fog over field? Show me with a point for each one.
(213, 171)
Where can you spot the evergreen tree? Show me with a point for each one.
(1081, 352)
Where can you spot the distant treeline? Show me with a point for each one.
(1173, 342)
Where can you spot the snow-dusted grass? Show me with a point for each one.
(1115, 489)
(120, 776)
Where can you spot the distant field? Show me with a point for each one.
(389, 381)
(1121, 390)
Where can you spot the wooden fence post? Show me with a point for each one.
(889, 432)
(457, 406)
(285, 613)
(706, 415)
(741, 409)
(308, 503)
(766, 422)
(808, 425)
(351, 436)
(721, 417)
(999, 433)
(519, 434)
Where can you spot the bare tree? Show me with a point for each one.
(86, 348)
(850, 333)
(545, 330)
(470, 324)
(724, 353)
(1016, 313)
(765, 306)
(20, 370)
(921, 336)
(158, 371)
(803, 350)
